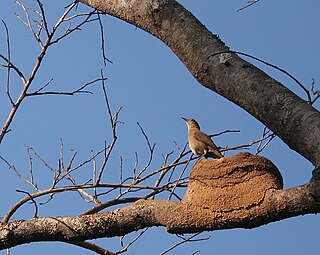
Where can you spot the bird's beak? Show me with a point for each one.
(185, 119)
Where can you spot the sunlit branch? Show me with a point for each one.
(28, 23)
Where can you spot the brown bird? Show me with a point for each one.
(199, 142)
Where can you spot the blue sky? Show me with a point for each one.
(155, 89)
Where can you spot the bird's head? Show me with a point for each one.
(191, 123)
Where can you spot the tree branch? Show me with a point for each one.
(146, 213)
(287, 115)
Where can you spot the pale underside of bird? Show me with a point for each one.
(199, 142)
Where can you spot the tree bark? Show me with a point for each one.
(78, 228)
(215, 67)
(240, 191)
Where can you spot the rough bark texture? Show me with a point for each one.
(241, 191)
(204, 54)
(77, 228)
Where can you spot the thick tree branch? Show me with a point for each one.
(287, 115)
(144, 213)
(240, 191)
(70, 229)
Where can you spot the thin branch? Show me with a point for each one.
(62, 18)
(43, 15)
(65, 173)
(105, 59)
(315, 92)
(43, 87)
(92, 247)
(248, 144)
(68, 93)
(224, 132)
(16, 206)
(268, 136)
(12, 167)
(33, 201)
(165, 168)
(184, 240)
(31, 168)
(70, 30)
(121, 173)
(9, 61)
(179, 178)
(113, 202)
(150, 149)
(249, 3)
(113, 122)
(44, 48)
(124, 249)
(14, 67)
(28, 22)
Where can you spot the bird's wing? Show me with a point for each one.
(200, 136)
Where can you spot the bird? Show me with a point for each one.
(199, 142)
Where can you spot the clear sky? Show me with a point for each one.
(155, 89)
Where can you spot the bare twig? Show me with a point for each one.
(68, 93)
(125, 248)
(315, 92)
(121, 173)
(248, 144)
(267, 137)
(113, 122)
(14, 67)
(105, 59)
(92, 247)
(249, 3)
(64, 172)
(28, 22)
(12, 167)
(16, 206)
(9, 61)
(166, 169)
(36, 26)
(64, 19)
(31, 168)
(224, 132)
(33, 201)
(184, 240)
(44, 19)
(150, 149)
(179, 178)
(113, 202)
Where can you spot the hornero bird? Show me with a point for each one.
(199, 142)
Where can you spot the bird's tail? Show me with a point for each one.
(214, 154)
